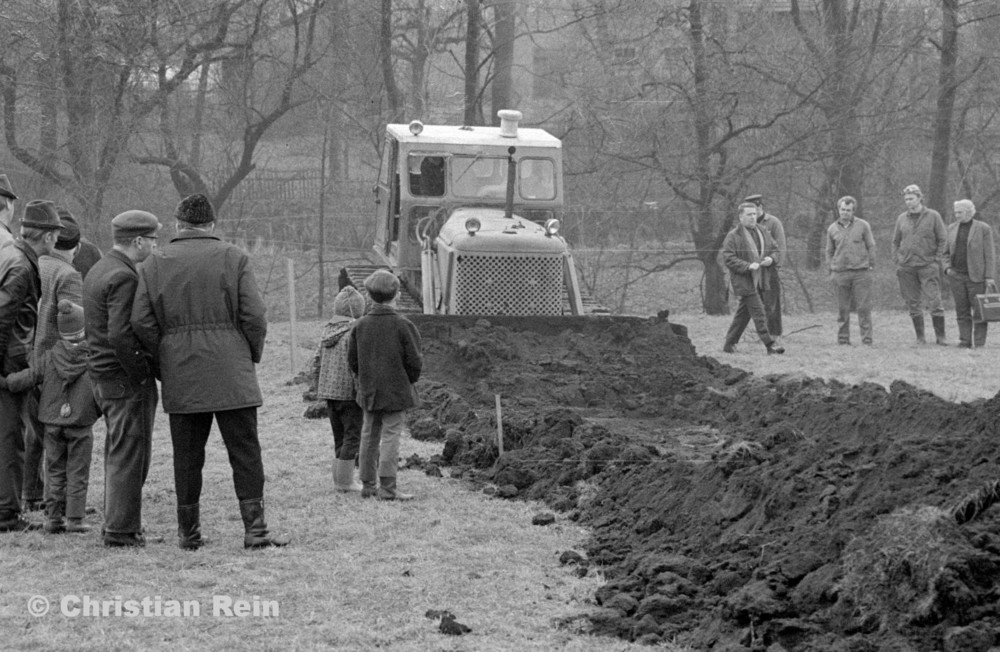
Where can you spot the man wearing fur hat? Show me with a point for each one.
(7, 199)
(198, 311)
(122, 374)
(20, 289)
(60, 281)
(335, 384)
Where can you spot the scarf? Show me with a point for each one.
(756, 247)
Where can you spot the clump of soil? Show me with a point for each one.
(729, 512)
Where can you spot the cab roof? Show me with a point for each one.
(476, 136)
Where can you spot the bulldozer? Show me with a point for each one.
(468, 218)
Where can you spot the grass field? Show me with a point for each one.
(360, 575)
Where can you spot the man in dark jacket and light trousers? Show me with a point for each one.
(198, 311)
(122, 375)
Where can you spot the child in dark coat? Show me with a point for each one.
(68, 411)
(384, 354)
(335, 383)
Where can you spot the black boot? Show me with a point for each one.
(189, 527)
(387, 490)
(257, 535)
(938, 321)
(918, 326)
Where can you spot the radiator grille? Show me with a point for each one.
(508, 284)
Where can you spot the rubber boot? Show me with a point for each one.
(918, 327)
(343, 476)
(387, 490)
(75, 525)
(54, 513)
(257, 536)
(938, 321)
(979, 334)
(189, 527)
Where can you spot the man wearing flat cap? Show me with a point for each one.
(122, 374)
(20, 290)
(7, 199)
(59, 281)
(199, 312)
(919, 240)
(771, 296)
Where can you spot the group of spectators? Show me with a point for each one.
(922, 248)
(79, 343)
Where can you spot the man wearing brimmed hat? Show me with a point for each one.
(60, 281)
(7, 199)
(919, 240)
(199, 312)
(771, 296)
(20, 289)
(122, 374)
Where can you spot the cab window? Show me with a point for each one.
(536, 178)
(479, 177)
(427, 175)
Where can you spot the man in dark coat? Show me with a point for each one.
(7, 199)
(122, 375)
(747, 251)
(199, 312)
(20, 290)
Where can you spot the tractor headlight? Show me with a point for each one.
(551, 227)
(416, 127)
(472, 225)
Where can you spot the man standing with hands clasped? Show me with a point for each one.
(747, 252)
(199, 312)
(970, 264)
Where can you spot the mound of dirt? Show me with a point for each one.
(730, 512)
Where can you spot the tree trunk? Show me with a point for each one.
(472, 101)
(392, 92)
(947, 85)
(504, 12)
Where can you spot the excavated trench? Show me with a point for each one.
(729, 511)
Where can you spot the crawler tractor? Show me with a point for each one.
(468, 218)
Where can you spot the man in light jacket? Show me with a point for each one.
(918, 243)
(200, 314)
(850, 252)
(970, 264)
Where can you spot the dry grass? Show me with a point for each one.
(951, 373)
(359, 575)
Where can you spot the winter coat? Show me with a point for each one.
(918, 241)
(737, 256)
(772, 226)
(199, 311)
(118, 363)
(65, 380)
(20, 287)
(979, 253)
(60, 280)
(331, 372)
(384, 354)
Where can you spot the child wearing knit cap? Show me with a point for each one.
(68, 411)
(384, 353)
(335, 383)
